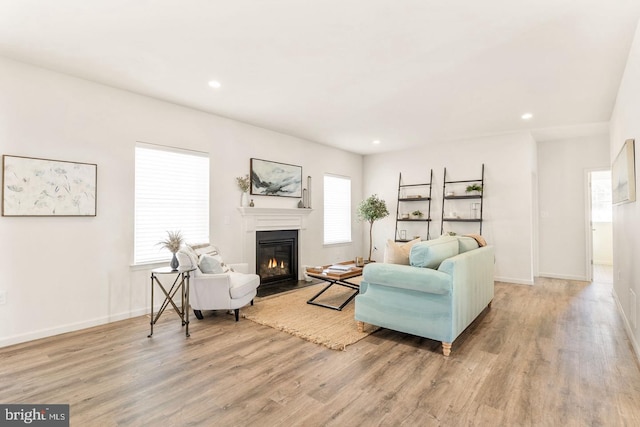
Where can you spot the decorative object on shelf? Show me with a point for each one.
(475, 210)
(623, 178)
(308, 192)
(275, 179)
(251, 204)
(371, 210)
(474, 188)
(43, 187)
(417, 214)
(300, 204)
(450, 194)
(243, 184)
(305, 198)
(172, 243)
(403, 234)
(359, 261)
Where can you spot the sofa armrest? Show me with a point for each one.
(408, 277)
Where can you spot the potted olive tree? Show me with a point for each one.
(371, 210)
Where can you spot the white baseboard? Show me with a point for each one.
(511, 280)
(563, 277)
(71, 327)
(627, 326)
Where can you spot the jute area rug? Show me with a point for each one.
(290, 313)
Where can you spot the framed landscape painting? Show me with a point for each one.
(275, 179)
(43, 187)
(623, 174)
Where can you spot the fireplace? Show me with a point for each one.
(277, 256)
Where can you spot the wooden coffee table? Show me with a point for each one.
(335, 277)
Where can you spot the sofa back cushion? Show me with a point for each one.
(466, 243)
(431, 253)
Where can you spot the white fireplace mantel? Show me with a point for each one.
(266, 219)
(258, 219)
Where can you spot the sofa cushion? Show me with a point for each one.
(398, 253)
(431, 253)
(466, 243)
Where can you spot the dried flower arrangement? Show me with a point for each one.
(243, 183)
(172, 242)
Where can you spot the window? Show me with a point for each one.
(337, 209)
(171, 194)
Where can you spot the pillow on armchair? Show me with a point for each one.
(398, 253)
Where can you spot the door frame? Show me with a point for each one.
(589, 221)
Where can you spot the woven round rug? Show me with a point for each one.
(290, 313)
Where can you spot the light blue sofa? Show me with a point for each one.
(448, 284)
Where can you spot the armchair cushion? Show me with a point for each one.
(187, 258)
(211, 264)
(242, 284)
(431, 253)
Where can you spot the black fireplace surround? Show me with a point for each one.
(277, 256)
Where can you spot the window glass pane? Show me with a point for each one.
(337, 209)
(171, 194)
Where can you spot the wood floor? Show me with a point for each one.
(554, 354)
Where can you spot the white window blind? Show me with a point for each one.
(337, 209)
(172, 194)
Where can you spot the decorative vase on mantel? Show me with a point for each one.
(174, 262)
(244, 201)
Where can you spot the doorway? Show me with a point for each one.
(600, 227)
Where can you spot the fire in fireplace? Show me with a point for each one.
(277, 255)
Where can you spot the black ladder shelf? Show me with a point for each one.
(416, 195)
(475, 215)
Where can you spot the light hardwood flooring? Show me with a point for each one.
(553, 354)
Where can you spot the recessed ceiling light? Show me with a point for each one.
(214, 84)
(526, 116)
(376, 142)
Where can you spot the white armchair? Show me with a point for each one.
(225, 291)
(230, 287)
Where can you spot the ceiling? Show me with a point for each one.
(346, 72)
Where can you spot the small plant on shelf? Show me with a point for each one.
(417, 214)
(474, 187)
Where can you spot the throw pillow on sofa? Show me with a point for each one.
(431, 253)
(398, 253)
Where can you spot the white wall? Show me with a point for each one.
(562, 178)
(508, 198)
(62, 274)
(625, 124)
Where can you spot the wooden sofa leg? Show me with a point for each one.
(446, 348)
(237, 313)
(360, 326)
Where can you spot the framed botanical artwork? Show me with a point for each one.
(43, 187)
(275, 179)
(623, 174)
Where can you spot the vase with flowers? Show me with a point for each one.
(243, 184)
(172, 243)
